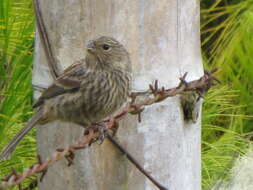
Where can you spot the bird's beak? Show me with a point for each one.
(90, 46)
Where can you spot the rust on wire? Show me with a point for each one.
(201, 85)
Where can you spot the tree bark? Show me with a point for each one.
(164, 42)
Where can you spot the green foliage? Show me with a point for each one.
(221, 143)
(227, 119)
(16, 48)
(227, 42)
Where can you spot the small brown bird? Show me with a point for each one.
(86, 92)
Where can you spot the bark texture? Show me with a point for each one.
(163, 40)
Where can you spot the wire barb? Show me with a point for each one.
(201, 86)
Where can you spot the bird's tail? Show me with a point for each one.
(14, 142)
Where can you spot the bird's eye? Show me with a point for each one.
(106, 47)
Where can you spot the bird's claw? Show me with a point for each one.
(103, 133)
(102, 129)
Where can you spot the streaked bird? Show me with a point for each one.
(86, 92)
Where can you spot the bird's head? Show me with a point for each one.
(107, 53)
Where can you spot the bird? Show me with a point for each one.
(89, 90)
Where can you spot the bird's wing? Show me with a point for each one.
(68, 81)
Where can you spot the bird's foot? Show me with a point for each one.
(113, 126)
(103, 129)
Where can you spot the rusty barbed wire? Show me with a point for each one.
(201, 86)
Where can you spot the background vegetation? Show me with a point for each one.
(227, 28)
(226, 32)
(16, 55)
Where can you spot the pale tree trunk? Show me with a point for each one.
(163, 40)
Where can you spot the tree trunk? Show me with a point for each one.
(164, 42)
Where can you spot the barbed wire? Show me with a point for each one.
(201, 86)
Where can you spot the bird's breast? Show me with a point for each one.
(99, 97)
(105, 94)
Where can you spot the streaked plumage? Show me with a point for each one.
(87, 91)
